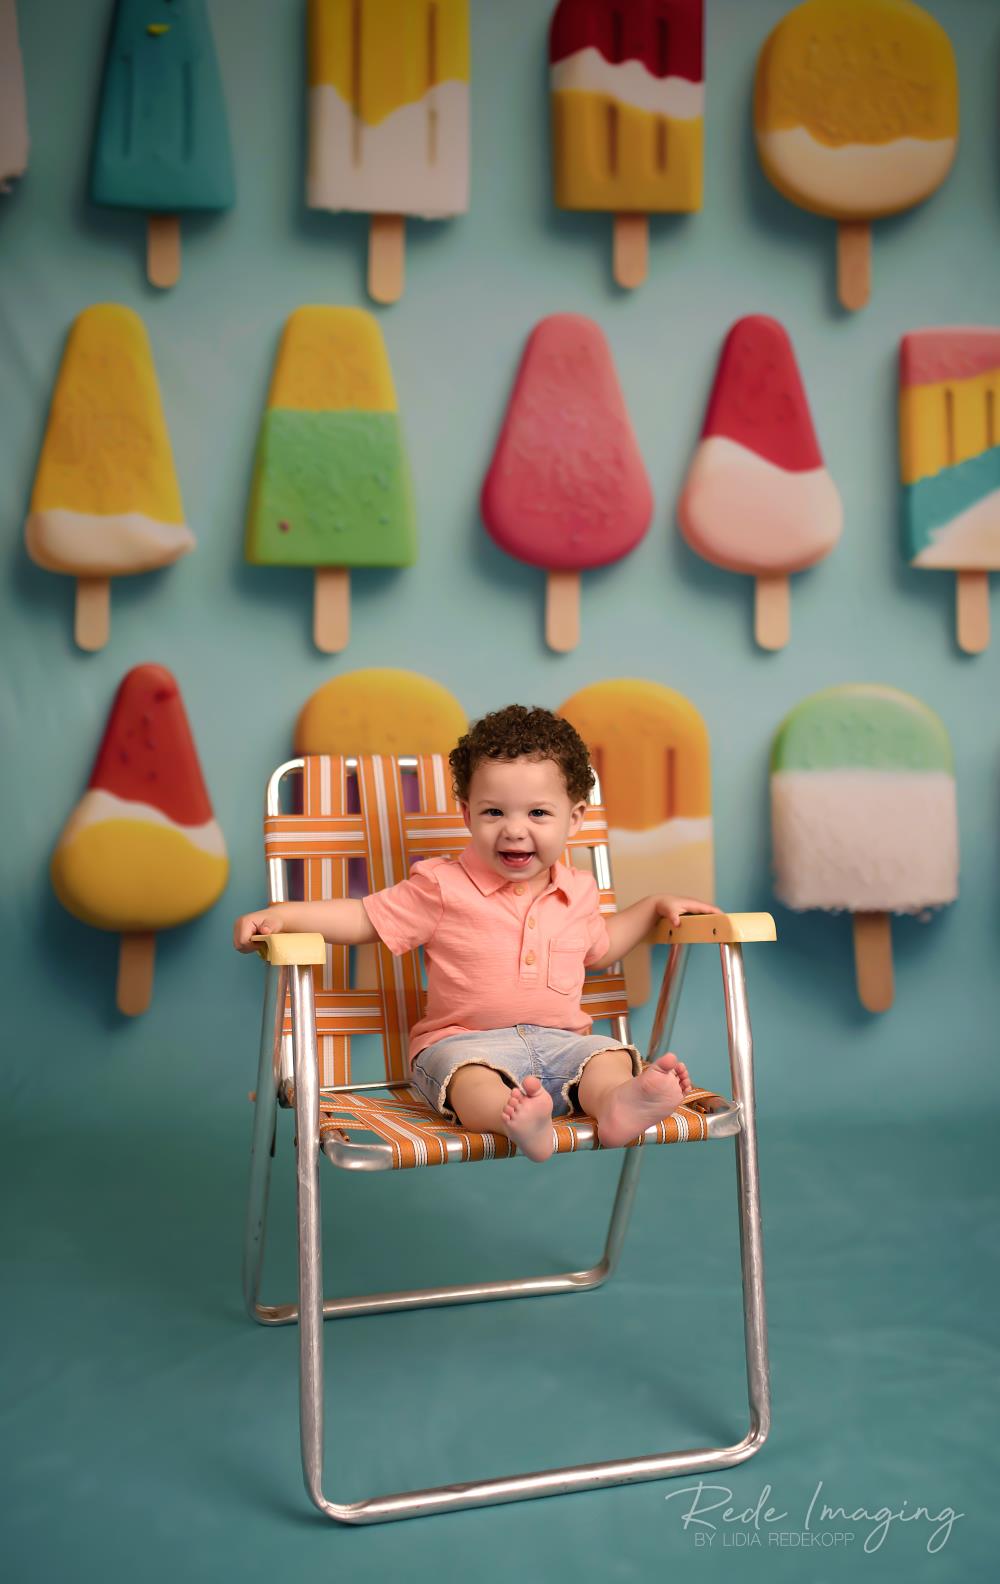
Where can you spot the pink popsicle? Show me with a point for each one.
(566, 489)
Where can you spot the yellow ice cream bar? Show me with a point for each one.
(380, 711)
(105, 499)
(331, 360)
(856, 106)
(627, 105)
(389, 106)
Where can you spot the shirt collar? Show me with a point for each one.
(487, 880)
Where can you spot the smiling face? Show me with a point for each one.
(520, 815)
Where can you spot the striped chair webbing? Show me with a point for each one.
(391, 837)
(420, 1136)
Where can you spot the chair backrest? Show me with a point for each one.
(387, 812)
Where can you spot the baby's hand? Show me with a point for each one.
(262, 923)
(671, 907)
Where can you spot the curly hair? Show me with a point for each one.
(515, 732)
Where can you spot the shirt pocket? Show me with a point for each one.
(566, 965)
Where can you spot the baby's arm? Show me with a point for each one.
(345, 923)
(628, 928)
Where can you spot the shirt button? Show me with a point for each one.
(519, 890)
(531, 923)
(529, 958)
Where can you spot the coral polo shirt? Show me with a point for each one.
(495, 955)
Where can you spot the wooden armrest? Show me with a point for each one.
(698, 929)
(287, 950)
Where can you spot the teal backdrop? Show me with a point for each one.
(126, 1139)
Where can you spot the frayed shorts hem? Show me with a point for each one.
(555, 1056)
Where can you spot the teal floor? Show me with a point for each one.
(151, 1430)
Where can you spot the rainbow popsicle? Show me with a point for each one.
(142, 850)
(331, 486)
(566, 489)
(628, 91)
(389, 118)
(757, 498)
(949, 432)
(864, 816)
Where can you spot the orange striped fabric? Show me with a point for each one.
(391, 837)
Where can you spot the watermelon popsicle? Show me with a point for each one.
(566, 489)
(389, 119)
(331, 486)
(864, 819)
(105, 501)
(949, 432)
(757, 498)
(856, 116)
(627, 80)
(162, 140)
(13, 105)
(141, 851)
(650, 748)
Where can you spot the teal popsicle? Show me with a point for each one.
(162, 140)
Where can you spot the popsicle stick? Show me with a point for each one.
(771, 611)
(638, 982)
(873, 960)
(562, 610)
(386, 257)
(332, 609)
(92, 620)
(854, 263)
(973, 611)
(163, 249)
(630, 250)
(136, 957)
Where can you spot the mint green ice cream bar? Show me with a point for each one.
(862, 727)
(331, 489)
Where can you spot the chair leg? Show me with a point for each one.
(264, 1132)
(549, 1482)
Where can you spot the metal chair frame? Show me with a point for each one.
(295, 981)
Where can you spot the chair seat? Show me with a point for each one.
(387, 1130)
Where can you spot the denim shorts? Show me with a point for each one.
(556, 1056)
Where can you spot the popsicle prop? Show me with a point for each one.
(162, 141)
(650, 749)
(141, 851)
(378, 711)
(13, 105)
(757, 498)
(627, 79)
(566, 489)
(949, 433)
(864, 817)
(389, 119)
(856, 116)
(105, 501)
(331, 485)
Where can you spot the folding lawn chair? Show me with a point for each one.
(365, 808)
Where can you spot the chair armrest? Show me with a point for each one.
(719, 929)
(287, 949)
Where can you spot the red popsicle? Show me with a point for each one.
(566, 489)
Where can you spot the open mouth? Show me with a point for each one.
(516, 860)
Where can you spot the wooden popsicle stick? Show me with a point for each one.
(973, 611)
(386, 257)
(332, 609)
(771, 611)
(638, 980)
(854, 263)
(873, 960)
(630, 250)
(562, 610)
(136, 957)
(163, 249)
(92, 619)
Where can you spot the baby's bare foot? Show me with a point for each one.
(634, 1106)
(527, 1120)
